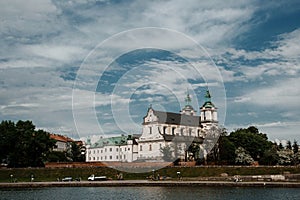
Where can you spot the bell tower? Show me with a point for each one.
(208, 112)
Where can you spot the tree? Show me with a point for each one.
(270, 156)
(242, 157)
(285, 157)
(226, 150)
(296, 158)
(251, 140)
(288, 145)
(77, 156)
(280, 146)
(194, 148)
(167, 153)
(23, 146)
(295, 147)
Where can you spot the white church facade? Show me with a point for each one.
(175, 131)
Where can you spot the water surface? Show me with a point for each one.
(186, 193)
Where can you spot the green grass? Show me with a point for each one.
(51, 174)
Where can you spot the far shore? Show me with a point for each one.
(149, 183)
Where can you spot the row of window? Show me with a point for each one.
(105, 150)
(149, 147)
(103, 158)
(190, 131)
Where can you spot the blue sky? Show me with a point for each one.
(253, 44)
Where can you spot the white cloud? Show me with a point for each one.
(57, 34)
(284, 93)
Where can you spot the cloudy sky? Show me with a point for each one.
(98, 62)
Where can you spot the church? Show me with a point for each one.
(160, 131)
(176, 131)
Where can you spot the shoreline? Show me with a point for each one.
(147, 183)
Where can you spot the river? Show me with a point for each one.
(168, 193)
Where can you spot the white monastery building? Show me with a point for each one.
(175, 131)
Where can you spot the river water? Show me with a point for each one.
(184, 193)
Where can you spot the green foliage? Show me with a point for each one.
(195, 150)
(288, 145)
(167, 153)
(243, 157)
(57, 156)
(77, 156)
(270, 156)
(23, 146)
(226, 150)
(295, 147)
(251, 140)
(285, 157)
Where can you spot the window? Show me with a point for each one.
(160, 146)
(181, 131)
(105, 149)
(128, 149)
(94, 151)
(97, 151)
(124, 156)
(150, 129)
(110, 149)
(105, 157)
(101, 150)
(117, 157)
(141, 148)
(90, 158)
(190, 132)
(110, 157)
(173, 130)
(164, 130)
(150, 147)
(117, 149)
(101, 158)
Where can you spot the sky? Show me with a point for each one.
(93, 67)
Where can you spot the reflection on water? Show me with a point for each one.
(150, 193)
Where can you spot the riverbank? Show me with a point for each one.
(148, 183)
(199, 173)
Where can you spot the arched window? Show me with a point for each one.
(150, 147)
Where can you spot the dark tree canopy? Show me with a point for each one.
(23, 146)
(251, 140)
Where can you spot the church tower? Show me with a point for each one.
(208, 112)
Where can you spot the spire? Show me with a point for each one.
(207, 96)
(188, 99)
(188, 109)
(208, 103)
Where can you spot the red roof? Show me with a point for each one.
(61, 138)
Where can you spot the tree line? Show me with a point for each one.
(247, 146)
(21, 145)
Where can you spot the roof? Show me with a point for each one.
(208, 104)
(178, 119)
(61, 138)
(113, 141)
